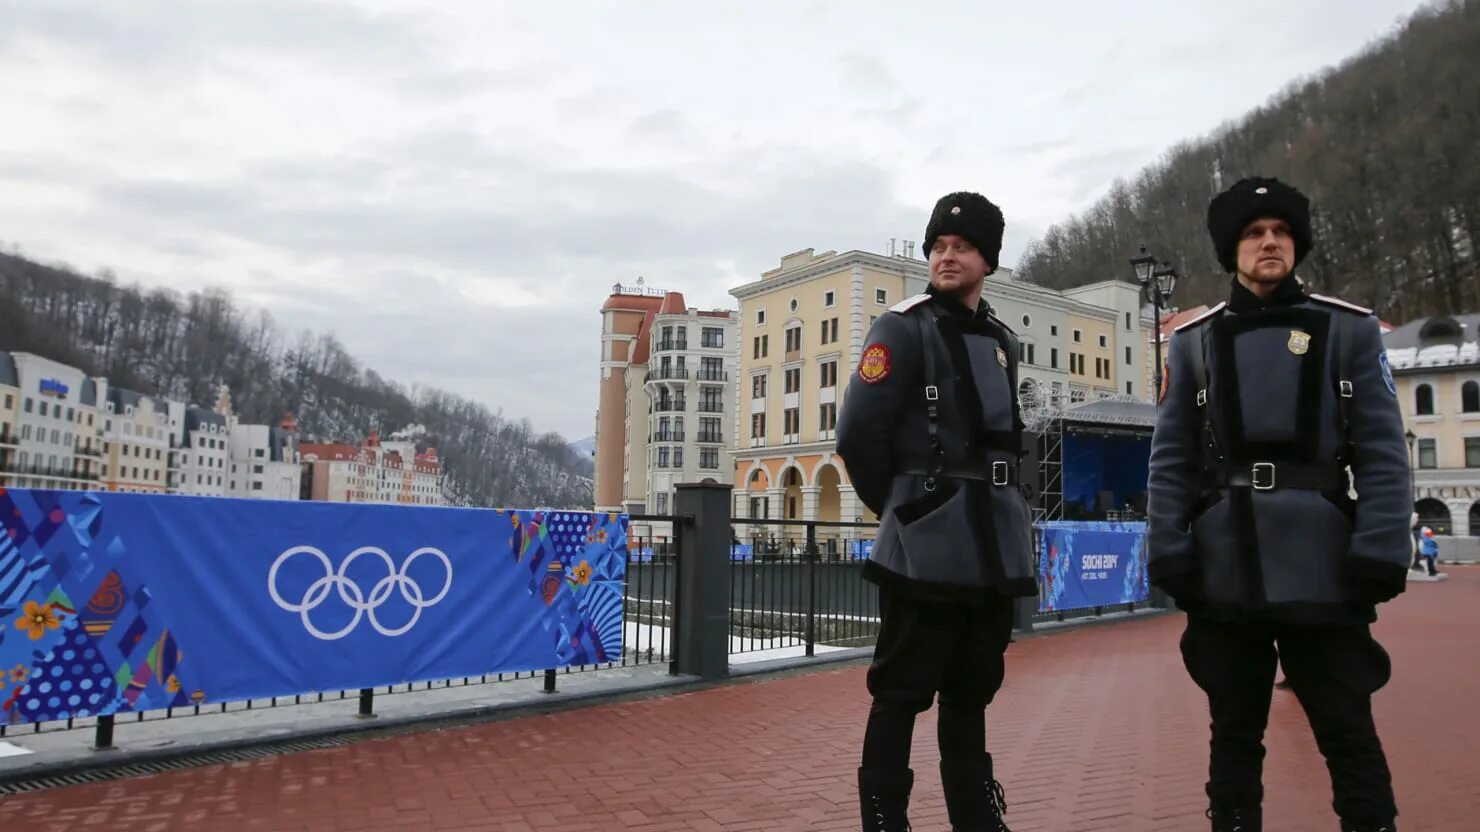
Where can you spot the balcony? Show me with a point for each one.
(712, 343)
(678, 406)
(672, 345)
(669, 436)
(711, 407)
(713, 375)
(711, 438)
(668, 374)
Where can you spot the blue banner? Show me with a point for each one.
(111, 603)
(1089, 564)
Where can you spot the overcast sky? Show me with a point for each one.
(453, 187)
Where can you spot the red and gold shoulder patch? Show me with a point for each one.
(1166, 382)
(874, 366)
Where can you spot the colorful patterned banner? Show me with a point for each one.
(111, 603)
(1089, 564)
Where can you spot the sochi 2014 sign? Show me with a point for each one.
(111, 603)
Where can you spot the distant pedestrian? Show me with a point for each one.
(1428, 551)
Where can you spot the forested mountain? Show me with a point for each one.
(160, 343)
(1386, 145)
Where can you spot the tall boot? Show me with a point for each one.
(1229, 817)
(974, 800)
(1351, 826)
(884, 799)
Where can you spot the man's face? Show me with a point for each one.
(1266, 251)
(956, 267)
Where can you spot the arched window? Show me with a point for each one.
(1423, 400)
(1469, 397)
(1434, 514)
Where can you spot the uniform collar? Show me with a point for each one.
(1288, 293)
(957, 308)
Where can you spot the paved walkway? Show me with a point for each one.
(1097, 729)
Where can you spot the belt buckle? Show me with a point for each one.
(1267, 467)
(1003, 478)
(932, 393)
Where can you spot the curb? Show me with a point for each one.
(152, 760)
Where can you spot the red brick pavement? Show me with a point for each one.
(1096, 729)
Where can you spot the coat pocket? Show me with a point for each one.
(1223, 578)
(936, 534)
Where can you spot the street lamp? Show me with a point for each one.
(1413, 486)
(1157, 284)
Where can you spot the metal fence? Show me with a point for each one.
(799, 584)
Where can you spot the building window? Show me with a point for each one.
(794, 381)
(793, 426)
(1127, 355)
(830, 331)
(758, 387)
(1029, 356)
(829, 372)
(757, 426)
(256, 486)
(678, 457)
(1078, 336)
(794, 339)
(881, 296)
(712, 337)
(1104, 342)
(793, 304)
(1469, 397)
(1128, 391)
(1027, 321)
(760, 317)
(1423, 402)
(1428, 453)
(709, 458)
(1127, 322)
(829, 299)
(1053, 329)
(828, 417)
(1053, 357)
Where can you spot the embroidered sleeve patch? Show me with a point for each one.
(1387, 374)
(1166, 382)
(874, 366)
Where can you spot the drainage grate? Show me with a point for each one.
(103, 774)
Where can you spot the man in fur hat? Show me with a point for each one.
(1280, 402)
(931, 435)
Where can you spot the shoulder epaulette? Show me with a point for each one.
(909, 303)
(999, 322)
(1200, 318)
(1340, 304)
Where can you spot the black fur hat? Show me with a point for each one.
(1254, 198)
(968, 215)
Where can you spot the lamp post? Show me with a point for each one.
(1412, 484)
(1157, 284)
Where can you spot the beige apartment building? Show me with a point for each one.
(136, 442)
(371, 472)
(1436, 367)
(802, 329)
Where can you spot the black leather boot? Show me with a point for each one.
(1235, 818)
(1388, 826)
(974, 800)
(884, 799)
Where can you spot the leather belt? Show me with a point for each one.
(1000, 474)
(1267, 476)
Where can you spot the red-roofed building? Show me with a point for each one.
(374, 471)
(667, 397)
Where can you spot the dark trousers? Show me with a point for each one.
(1333, 670)
(927, 649)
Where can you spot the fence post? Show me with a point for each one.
(703, 614)
(103, 736)
(550, 680)
(367, 703)
(811, 589)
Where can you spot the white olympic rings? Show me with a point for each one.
(350, 592)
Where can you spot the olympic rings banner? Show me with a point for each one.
(1091, 564)
(112, 603)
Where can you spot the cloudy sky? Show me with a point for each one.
(453, 187)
